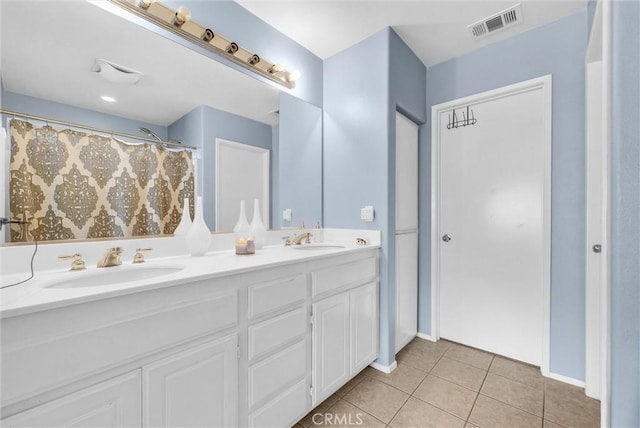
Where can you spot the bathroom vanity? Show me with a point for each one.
(220, 340)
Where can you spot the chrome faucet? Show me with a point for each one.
(111, 257)
(303, 237)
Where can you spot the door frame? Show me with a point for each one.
(598, 90)
(266, 177)
(540, 83)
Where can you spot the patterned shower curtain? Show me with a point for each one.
(74, 185)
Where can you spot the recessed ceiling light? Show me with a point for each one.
(108, 99)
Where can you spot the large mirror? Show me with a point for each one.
(48, 69)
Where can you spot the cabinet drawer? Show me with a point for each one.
(283, 411)
(268, 377)
(333, 278)
(276, 294)
(273, 333)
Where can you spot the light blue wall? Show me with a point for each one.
(625, 216)
(558, 49)
(300, 163)
(208, 124)
(67, 113)
(355, 151)
(190, 129)
(234, 22)
(363, 87)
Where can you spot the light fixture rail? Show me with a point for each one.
(180, 23)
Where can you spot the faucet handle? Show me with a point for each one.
(139, 256)
(77, 264)
(287, 240)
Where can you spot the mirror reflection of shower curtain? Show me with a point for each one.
(74, 185)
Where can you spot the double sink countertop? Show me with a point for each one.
(60, 287)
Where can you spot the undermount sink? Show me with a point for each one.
(117, 275)
(319, 246)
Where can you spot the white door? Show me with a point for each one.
(330, 345)
(242, 173)
(406, 231)
(363, 316)
(195, 388)
(492, 221)
(113, 403)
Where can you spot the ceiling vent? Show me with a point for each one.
(116, 73)
(505, 19)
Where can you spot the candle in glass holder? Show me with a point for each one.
(245, 245)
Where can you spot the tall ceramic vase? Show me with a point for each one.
(257, 228)
(185, 222)
(199, 236)
(242, 226)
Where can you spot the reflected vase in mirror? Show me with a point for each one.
(199, 236)
(242, 226)
(257, 229)
(185, 222)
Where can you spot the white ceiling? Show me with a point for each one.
(49, 47)
(435, 30)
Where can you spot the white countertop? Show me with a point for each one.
(37, 294)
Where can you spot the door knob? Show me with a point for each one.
(597, 248)
(446, 238)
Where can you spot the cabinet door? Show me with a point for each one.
(330, 345)
(195, 388)
(113, 403)
(406, 174)
(406, 289)
(364, 326)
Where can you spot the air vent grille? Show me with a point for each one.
(494, 24)
(506, 18)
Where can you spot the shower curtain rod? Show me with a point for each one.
(16, 114)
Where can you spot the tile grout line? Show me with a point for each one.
(544, 399)
(481, 385)
(411, 395)
(431, 404)
(364, 411)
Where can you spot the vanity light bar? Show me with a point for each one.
(167, 18)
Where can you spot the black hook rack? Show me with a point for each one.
(467, 119)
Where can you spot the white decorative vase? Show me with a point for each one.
(185, 222)
(199, 236)
(242, 226)
(257, 229)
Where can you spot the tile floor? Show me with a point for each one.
(445, 384)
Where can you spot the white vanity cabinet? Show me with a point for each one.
(258, 348)
(113, 403)
(345, 325)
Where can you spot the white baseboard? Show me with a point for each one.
(566, 379)
(426, 337)
(384, 369)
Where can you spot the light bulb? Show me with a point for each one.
(293, 76)
(145, 3)
(278, 66)
(182, 15)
